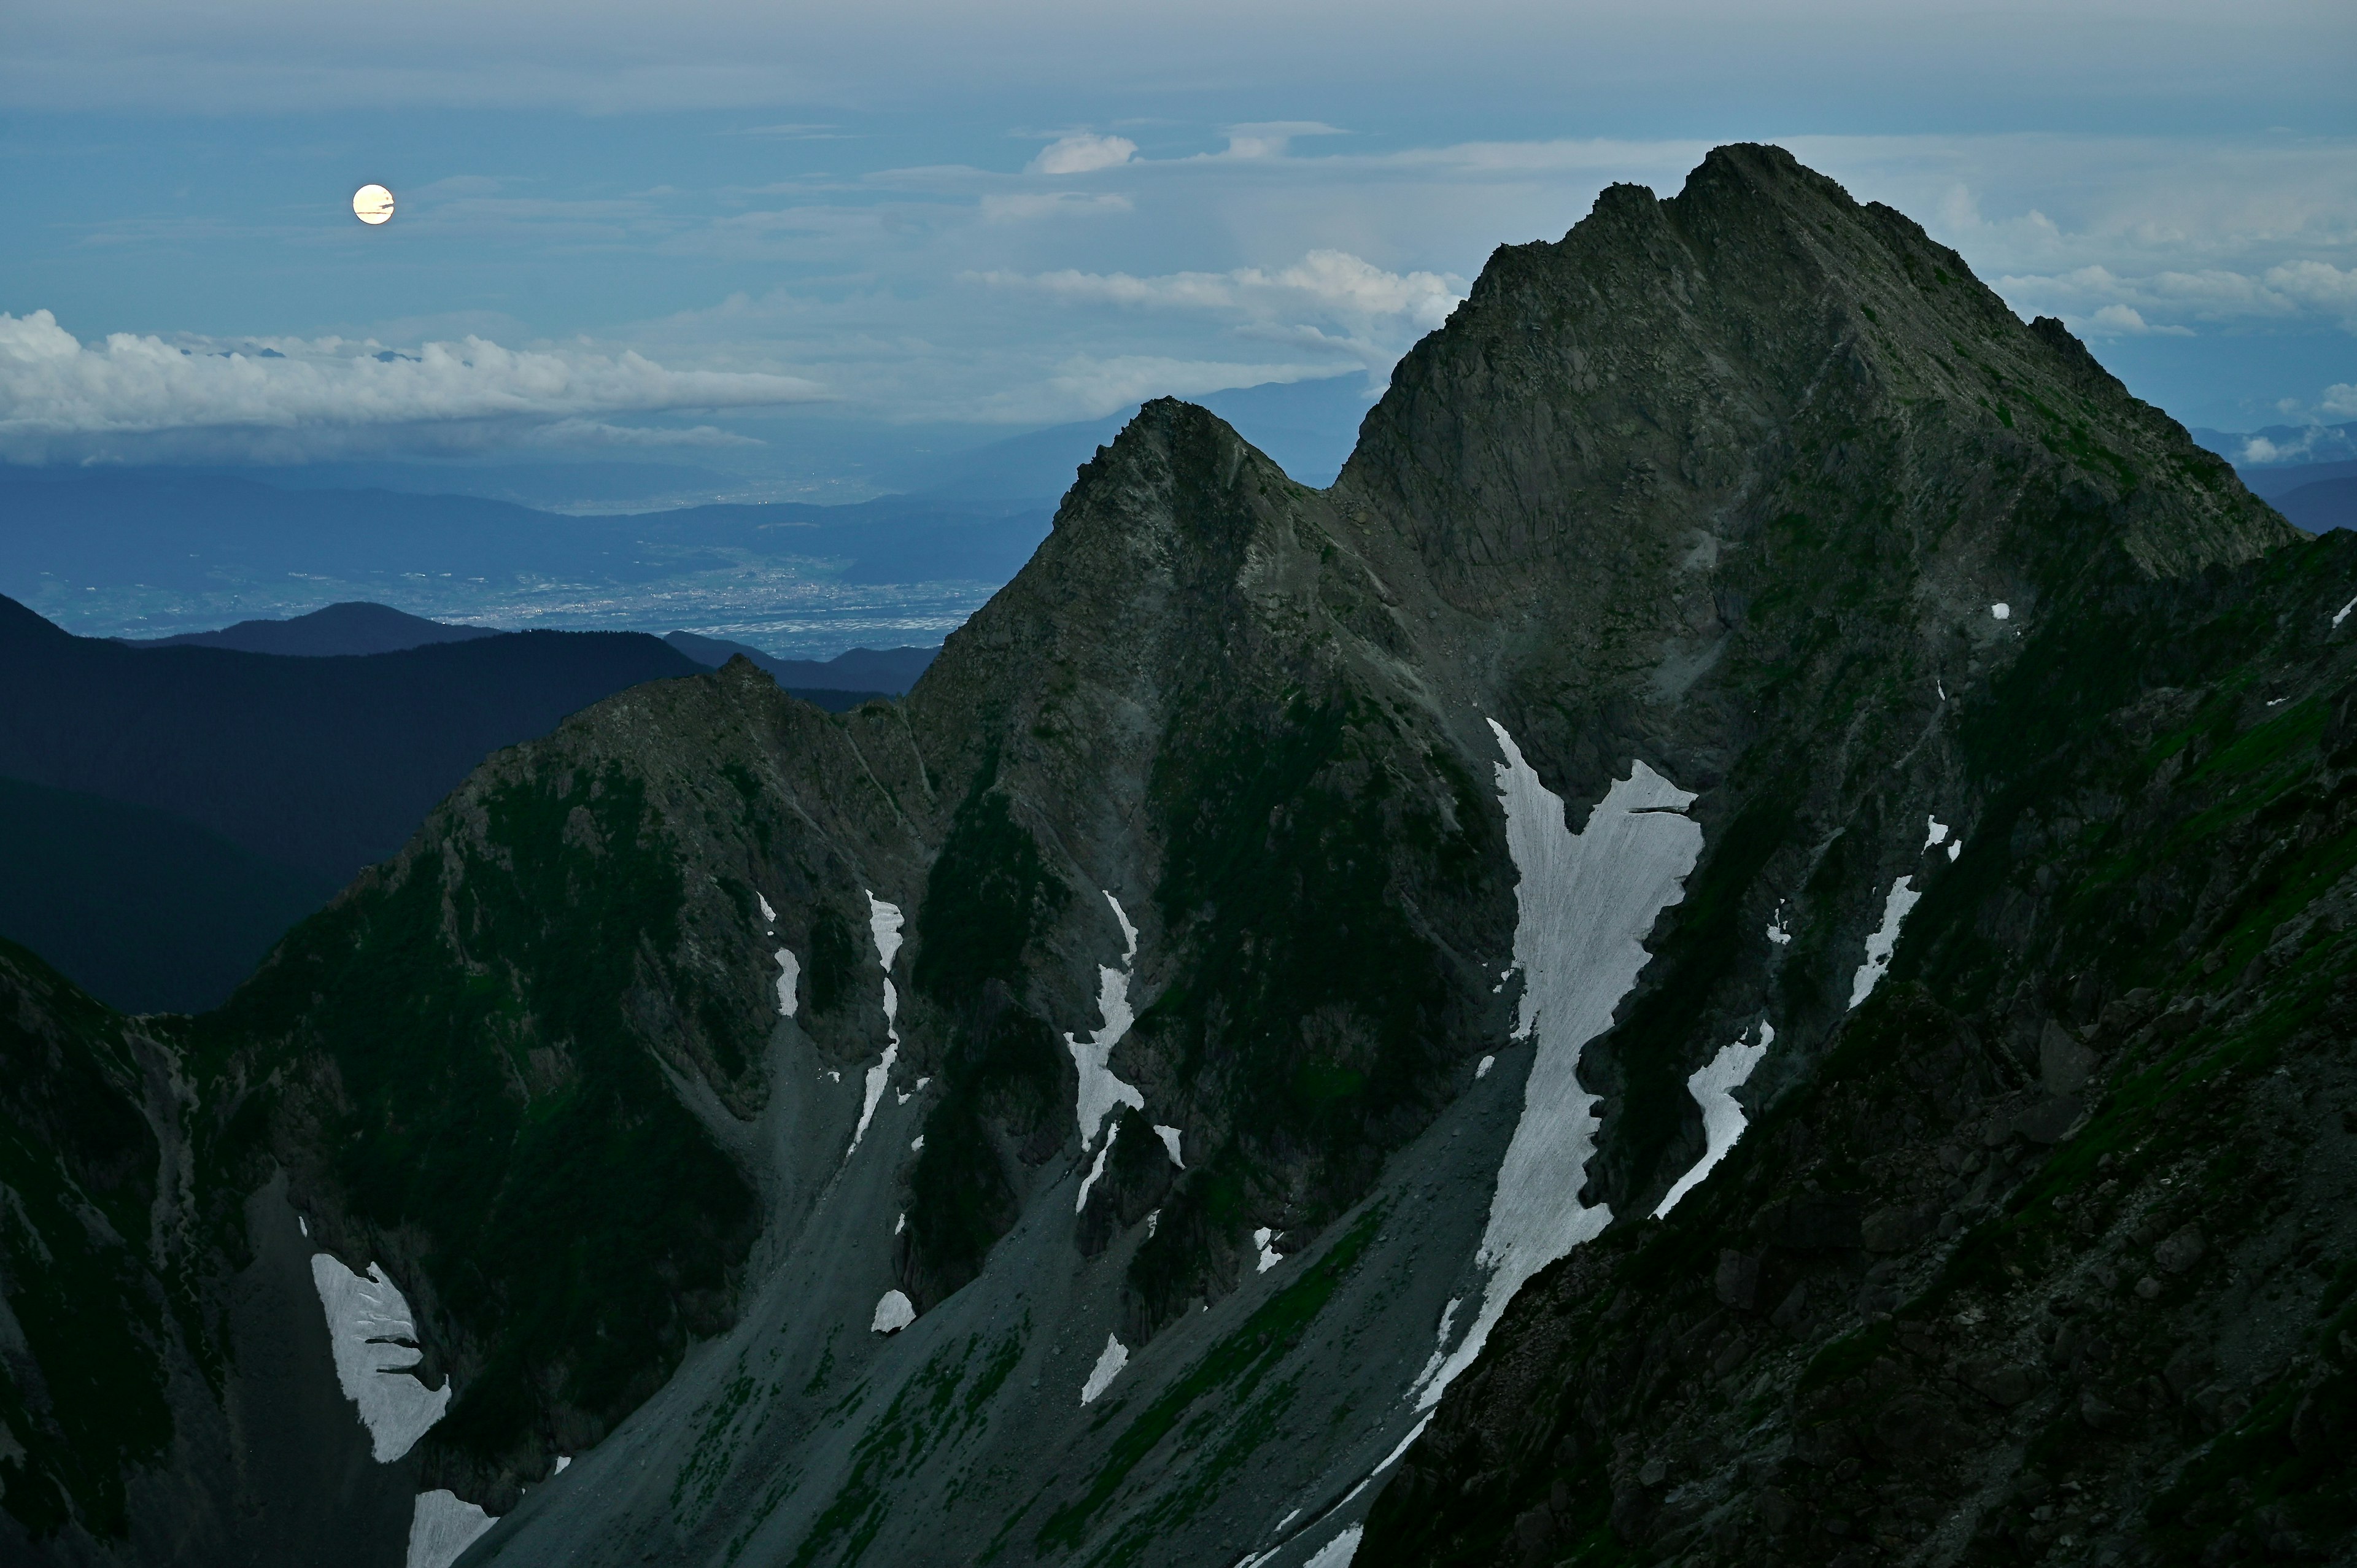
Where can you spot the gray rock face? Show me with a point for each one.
(1103, 1108)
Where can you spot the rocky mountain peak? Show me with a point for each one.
(1111, 1106)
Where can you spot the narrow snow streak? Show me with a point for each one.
(1128, 931)
(894, 1311)
(442, 1525)
(884, 924)
(767, 913)
(1114, 1356)
(375, 1344)
(1169, 1136)
(790, 977)
(1880, 946)
(1100, 1090)
(1713, 1086)
(1097, 1169)
(2342, 614)
(1586, 903)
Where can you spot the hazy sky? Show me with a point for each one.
(725, 230)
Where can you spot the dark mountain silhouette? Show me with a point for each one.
(320, 764)
(147, 912)
(356, 627)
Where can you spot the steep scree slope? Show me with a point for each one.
(1098, 1110)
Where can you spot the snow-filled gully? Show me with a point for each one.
(884, 921)
(1585, 904)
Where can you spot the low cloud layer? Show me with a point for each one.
(57, 392)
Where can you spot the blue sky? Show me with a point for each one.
(783, 236)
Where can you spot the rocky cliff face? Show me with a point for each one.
(1212, 1051)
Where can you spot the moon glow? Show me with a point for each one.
(372, 204)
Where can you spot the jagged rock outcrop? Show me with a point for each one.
(1113, 1105)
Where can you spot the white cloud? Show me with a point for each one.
(2341, 398)
(1083, 152)
(53, 386)
(2126, 320)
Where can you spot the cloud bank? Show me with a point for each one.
(56, 390)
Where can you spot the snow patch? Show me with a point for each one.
(2002, 612)
(375, 1344)
(2342, 614)
(1096, 1170)
(1153, 1218)
(1114, 1356)
(1880, 946)
(1338, 1552)
(790, 977)
(1586, 903)
(562, 1461)
(1169, 1136)
(917, 1144)
(1956, 849)
(900, 1224)
(1937, 834)
(767, 913)
(1713, 1086)
(442, 1525)
(894, 1311)
(1100, 1090)
(304, 1223)
(1265, 1239)
(1481, 1069)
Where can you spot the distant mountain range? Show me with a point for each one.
(169, 811)
(137, 553)
(351, 628)
(2278, 444)
(862, 672)
(2307, 472)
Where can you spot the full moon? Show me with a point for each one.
(372, 204)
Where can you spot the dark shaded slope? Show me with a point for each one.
(474, 1065)
(2056, 1246)
(324, 764)
(355, 627)
(146, 912)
